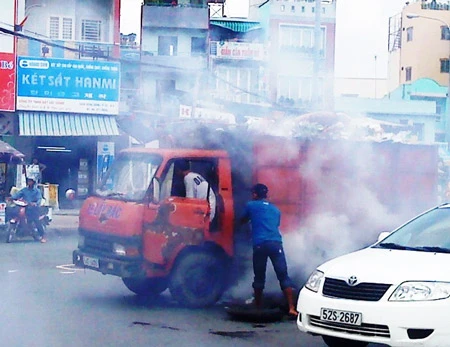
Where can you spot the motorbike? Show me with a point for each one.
(18, 225)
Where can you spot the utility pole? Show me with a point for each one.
(316, 64)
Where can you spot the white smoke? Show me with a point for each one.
(347, 183)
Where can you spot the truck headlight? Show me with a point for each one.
(119, 249)
(81, 241)
(314, 281)
(421, 291)
(129, 251)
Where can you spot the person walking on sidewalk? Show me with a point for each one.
(265, 219)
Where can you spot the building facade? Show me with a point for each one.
(237, 64)
(419, 41)
(67, 88)
(174, 38)
(419, 46)
(301, 73)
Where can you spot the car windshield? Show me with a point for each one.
(429, 232)
(129, 177)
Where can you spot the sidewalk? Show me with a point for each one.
(66, 212)
(64, 220)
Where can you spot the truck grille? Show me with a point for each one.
(96, 244)
(362, 291)
(373, 330)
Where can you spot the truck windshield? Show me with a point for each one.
(129, 177)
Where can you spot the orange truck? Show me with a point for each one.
(138, 225)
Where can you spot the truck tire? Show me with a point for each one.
(331, 341)
(145, 286)
(198, 279)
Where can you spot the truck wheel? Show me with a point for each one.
(331, 341)
(198, 279)
(145, 286)
(10, 232)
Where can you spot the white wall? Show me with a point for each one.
(7, 22)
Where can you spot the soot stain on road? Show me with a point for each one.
(235, 334)
(162, 326)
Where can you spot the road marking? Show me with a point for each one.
(11, 271)
(68, 269)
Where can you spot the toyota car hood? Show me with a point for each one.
(389, 266)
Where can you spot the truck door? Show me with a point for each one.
(181, 220)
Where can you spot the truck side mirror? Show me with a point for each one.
(156, 190)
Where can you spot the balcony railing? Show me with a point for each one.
(301, 50)
(94, 51)
(171, 3)
(66, 49)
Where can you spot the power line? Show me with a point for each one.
(50, 43)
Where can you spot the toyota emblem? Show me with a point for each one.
(352, 281)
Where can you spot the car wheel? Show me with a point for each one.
(198, 279)
(145, 286)
(331, 341)
(10, 232)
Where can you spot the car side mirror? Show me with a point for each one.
(383, 235)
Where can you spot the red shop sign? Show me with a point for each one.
(7, 81)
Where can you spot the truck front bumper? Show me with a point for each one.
(108, 266)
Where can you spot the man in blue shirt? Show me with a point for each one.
(33, 196)
(267, 243)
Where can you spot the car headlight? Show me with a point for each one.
(421, 291)
(314, 280)
(80, 241)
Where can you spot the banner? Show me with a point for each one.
(105, 157)
(7, 82)
(62, 85)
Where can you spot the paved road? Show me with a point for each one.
(47, 302)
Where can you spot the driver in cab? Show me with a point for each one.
(33, 197)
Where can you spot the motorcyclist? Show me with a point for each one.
(33, 197)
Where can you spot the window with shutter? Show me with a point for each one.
(91, 30)
(67, 29)
(54, 28)
(60, 28)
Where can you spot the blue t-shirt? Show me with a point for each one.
(29, 195)
(265, 221)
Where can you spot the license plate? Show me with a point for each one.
(92, 262)
(337, 316)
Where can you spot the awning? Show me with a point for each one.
(236, 26)
(66, 124)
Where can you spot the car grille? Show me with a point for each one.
(374, 330)
(362, 291)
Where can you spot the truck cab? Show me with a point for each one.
(140, 226)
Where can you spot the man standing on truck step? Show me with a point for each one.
(265, 219)
(197, 186)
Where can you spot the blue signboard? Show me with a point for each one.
(62, 85)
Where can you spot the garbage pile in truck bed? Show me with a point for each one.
(329, 125)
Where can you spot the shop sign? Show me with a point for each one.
(105, 157)
(62, 85)
(7, 81)
(240, 50)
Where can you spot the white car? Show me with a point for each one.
(395, 292)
